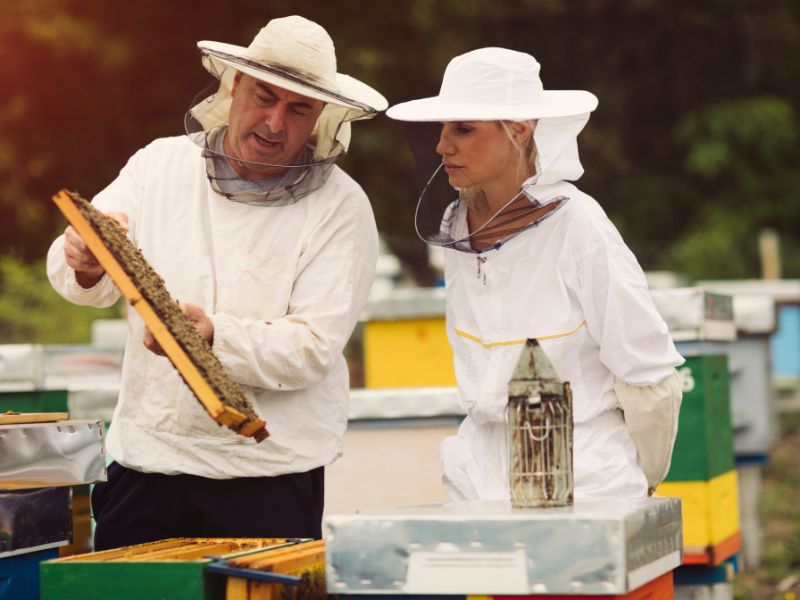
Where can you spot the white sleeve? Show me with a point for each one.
(651, 414)
(122, 195)
(636, 347)
(329, 292)
(634, 340)
(62, 278)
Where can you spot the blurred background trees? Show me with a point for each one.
(693, 150)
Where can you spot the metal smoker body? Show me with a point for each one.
(540, 429)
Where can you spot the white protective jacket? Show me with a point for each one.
(284, 287)
(572, 283)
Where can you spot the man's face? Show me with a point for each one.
(267, 124)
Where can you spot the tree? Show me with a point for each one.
(669, 152)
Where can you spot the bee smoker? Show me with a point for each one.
(539, 428)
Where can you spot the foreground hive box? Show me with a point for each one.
(596, 547)
(174, 569)
(293, 571)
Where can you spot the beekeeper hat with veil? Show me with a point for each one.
(297, 55)
(495, 84)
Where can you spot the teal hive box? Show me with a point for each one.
(704, 446)
(34, 401)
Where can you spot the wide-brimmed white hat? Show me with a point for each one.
(298, 55)
(494, 84)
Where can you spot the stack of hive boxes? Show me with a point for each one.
(38, 463)
(33, 524)
(703, 472)
(21, 552)
(41, 455)
(38, 378)
(754, 402)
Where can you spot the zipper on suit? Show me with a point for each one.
(481, 260)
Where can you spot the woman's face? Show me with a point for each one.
(267, 127)
(476, 153)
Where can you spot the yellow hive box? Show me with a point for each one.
(407, 353)
(710, 510)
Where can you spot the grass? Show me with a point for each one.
(779, 573)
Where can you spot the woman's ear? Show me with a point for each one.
(522, 130)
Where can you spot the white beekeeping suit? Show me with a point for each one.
(570, 282)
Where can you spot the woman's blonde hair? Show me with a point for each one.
(474, 196)
(526, 150)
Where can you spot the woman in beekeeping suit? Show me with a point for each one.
(528, 255)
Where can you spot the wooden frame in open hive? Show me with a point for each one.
(175, 568)
(276, 573)
(141, 286)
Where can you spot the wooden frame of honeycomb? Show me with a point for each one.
(144, 289)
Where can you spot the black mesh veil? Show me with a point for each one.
(205, 124)
(442, 214)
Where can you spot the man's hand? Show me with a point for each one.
(200, 320)
(196, 316)
(88, 272)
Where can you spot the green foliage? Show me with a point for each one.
(746, 137)
(742, 157)
(723, 247)
(694, 137)
(32, 312)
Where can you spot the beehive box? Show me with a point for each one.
(660, 588)
(710, 517)
(704, 446)
(419, 350)
(703, 473)
(173, 569)
(600, 547)
(409, 327)
(290, 572)
(19, 574)
(34, 401)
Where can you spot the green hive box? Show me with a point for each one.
(704, 446)
(173, 569)
(34, 401)
(184, 580)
